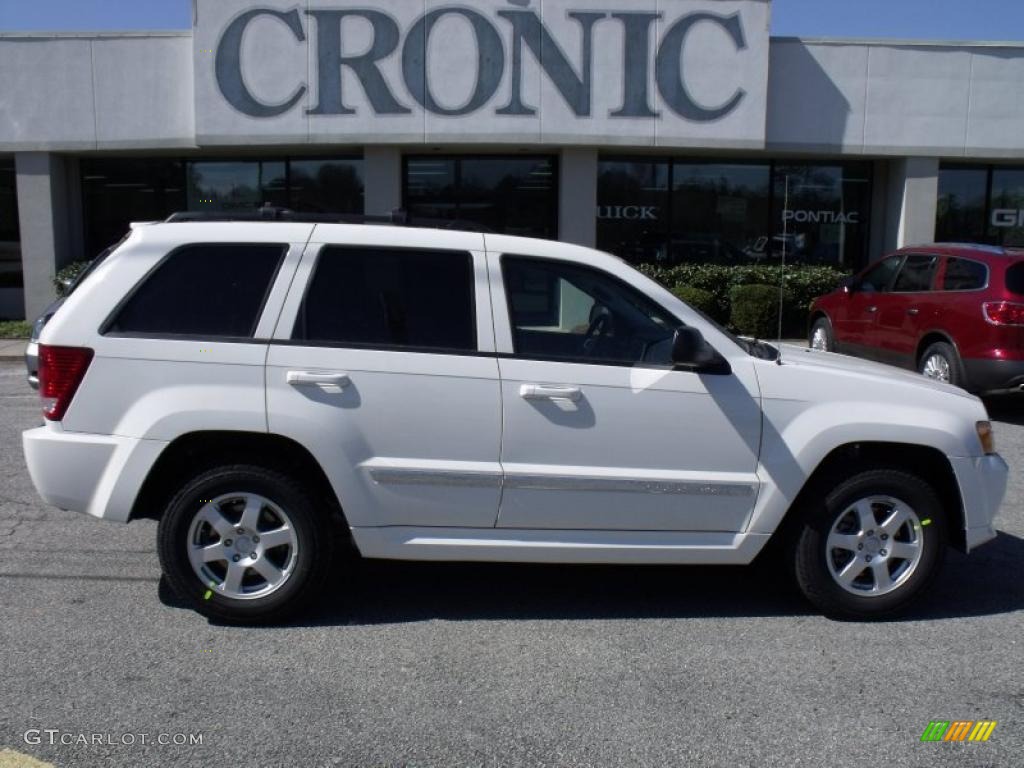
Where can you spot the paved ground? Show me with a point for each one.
(458, 665)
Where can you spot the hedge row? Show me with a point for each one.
(711, 288)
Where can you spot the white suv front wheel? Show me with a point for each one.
(872, 545)
(244, 544)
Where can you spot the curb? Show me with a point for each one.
(13, 349)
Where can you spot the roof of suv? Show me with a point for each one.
(975, 250)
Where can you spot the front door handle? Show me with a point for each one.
(545, 392)
(323, 380)
(872, 310)
(913, 312)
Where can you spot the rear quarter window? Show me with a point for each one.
(964, 275)
(1015, 278)
(201, 291)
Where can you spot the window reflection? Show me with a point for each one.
(512, 195)
(665, 212)
(10, 247)
(961, 206)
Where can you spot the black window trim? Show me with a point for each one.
(372, 347)
(516, 355)
(111, 318)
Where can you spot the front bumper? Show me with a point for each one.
(993, 375)
(982, 482)
(99, 475)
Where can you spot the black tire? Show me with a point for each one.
(823, 324)
(810, 550)
(947, 351)
(315, 549)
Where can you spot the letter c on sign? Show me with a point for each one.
(671, 83)
(229, 64)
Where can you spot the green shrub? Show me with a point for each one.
(699, 299)
(755, 310)
(15, 329)
(67, 275)
(803, 283)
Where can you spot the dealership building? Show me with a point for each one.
(665, 131)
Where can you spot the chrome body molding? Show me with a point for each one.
(627, 485)
(435, 477)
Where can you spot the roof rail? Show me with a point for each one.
(397, 218)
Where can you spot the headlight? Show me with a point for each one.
(987, 437)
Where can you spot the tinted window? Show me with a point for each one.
(964, 275)
(963, 194)
(917, 274)
(879, 277)
(390, 298)
(203, 291)
(562, 311)
(1015, 278)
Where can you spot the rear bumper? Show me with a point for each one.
(994, 375)
(32, 364)
(99, 475)
(982, 482)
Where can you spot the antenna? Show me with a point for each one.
(782, 277)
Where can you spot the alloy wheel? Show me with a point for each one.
(874, 546)
(937, 367)
(242, 546)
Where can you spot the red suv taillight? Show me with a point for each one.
(61, 370)
(1004, 313)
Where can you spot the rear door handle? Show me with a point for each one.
(872, 310)
(545, 392)
(323, 380)
(913, 312)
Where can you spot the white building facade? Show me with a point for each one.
(665, 131)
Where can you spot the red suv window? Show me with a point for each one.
(1015, 278)
(964, 275)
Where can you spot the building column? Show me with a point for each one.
(912, 202)
(577, 197)
(383, 179)
(44, 213)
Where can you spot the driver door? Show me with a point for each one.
(599, 432)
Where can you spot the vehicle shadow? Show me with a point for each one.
(989, 582)
(1008, 408)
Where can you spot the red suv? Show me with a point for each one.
(951, 312)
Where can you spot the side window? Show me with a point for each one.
(202, 291)
(917, 274)
(879, 277)
(390, 297)
(964, 275)
(562, 311)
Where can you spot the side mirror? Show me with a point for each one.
(691, 352)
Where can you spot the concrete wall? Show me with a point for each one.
(914, 99)
(75, 92)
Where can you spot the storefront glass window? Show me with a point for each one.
(663, 212)
(236, 186)
(118, 191)
(720, 213)
(1006, 220)
(822, 213)
(962, 204)
(10, 251)
(326, 186)
(634, 213)
(511, 195)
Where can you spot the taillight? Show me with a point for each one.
(1004, 313)
(61, 370)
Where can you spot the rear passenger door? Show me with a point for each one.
(909, 307)
(383, 366)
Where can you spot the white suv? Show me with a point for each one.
(273, 392)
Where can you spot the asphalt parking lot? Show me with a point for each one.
(466, 665)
